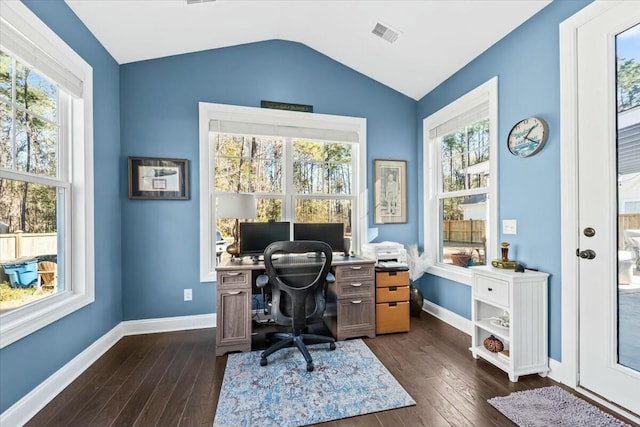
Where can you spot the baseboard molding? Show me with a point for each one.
(461, 323)
(168, 324)
(558, 372)
(27, 407)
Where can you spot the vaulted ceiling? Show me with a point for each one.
(436, 37)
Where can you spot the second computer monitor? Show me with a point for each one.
(330, 233)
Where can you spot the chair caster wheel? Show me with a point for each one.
(309, 367)
(332, 346)
(263, 361)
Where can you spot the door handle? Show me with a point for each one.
(586, 254)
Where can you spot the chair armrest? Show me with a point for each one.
(331, 278)
(262, 281)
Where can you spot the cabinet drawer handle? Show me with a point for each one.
(490, 289)
(356, 267)
(233, 293)
(356, 285)
(234, 273)
(356, 301)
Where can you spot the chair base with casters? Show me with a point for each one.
(298, 296)
(285, 339)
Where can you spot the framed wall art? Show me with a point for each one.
(390, 191)
(158, 178)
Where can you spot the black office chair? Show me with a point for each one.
(298, 286)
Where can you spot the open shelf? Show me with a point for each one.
(499, 332)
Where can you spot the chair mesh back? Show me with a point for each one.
(298, 270)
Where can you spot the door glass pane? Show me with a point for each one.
(628, 149)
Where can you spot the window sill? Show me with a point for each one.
(26, 320)
(451, 272)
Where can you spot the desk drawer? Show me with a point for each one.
(356, 273)
(392, 293)
(392, 278)
(355, 289)
(492, 290)
(234, 279)
(392, 317)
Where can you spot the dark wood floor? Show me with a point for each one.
(173, 379)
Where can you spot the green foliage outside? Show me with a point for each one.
(7, 293)
(628, 84)
(255, 164)
(28, 143)
(460, 150)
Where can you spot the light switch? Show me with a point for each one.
(509, 226)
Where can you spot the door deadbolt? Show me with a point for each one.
(589, 232)
(587, 254)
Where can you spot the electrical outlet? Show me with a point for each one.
(188, 295)
(509, 226)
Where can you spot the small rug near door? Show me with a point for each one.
(552, 406)
(346, 382)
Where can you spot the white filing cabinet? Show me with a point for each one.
(523, 297)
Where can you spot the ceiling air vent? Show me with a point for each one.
(198, 1)
(385, 32)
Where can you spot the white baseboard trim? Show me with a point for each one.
(617, 409)
(30, 404)
(168, 324)
(461, 323)
(26, 408)
(560, 373)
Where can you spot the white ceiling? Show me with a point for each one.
(438, 37)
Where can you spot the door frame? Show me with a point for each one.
(567, 371)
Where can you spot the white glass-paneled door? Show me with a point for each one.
(608, 92)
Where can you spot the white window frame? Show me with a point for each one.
(431, 172)
(223, 112)
(78, 228)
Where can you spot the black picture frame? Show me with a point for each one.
(155, 178)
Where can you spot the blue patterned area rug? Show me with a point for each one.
(346, 382)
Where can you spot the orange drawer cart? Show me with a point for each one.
(392, 302)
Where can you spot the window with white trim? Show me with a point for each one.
(46, 183)
(460, 183)
(301, 168)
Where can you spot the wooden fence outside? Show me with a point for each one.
(20, 244)
(472, 231)
(627, 222)
(464, 231)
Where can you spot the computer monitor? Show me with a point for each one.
(256, 236)
(331, 233)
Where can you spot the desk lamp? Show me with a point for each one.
(236, 206)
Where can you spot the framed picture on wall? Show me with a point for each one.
(390, 191)
(157, 178)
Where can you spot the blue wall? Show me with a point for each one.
(527, 63)
(147, 251)
(159, 117)
(29, 361)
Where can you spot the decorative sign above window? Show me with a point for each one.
(528, 136)
(285, 106)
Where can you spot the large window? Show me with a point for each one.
(46, 204)
(460, 176)
(301, 168)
